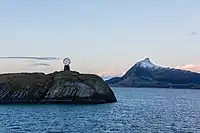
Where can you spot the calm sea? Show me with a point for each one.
(138, 110)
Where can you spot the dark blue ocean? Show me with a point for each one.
(138, 110)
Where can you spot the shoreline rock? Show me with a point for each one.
(64, 87)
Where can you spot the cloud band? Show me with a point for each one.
(31, 58)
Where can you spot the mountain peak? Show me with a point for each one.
(146, 63)
(147, 60)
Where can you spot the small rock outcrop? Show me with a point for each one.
(58, 87)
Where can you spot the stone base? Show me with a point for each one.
(66, 68)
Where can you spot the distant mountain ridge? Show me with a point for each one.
(146, 74)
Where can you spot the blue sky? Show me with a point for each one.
(100, 36)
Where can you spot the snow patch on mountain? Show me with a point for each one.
(146, 63)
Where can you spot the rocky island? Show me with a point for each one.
(66, 87)
(149, 75)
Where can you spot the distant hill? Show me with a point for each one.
(146, 74)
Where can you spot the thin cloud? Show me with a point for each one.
(193, 33)
(31, 58)
(191, 67)
(40, 64)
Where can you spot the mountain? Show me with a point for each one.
(147, 74)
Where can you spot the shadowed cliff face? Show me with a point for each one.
(58, 87)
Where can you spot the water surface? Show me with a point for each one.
(138, 110)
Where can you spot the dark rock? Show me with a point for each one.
(57, 87)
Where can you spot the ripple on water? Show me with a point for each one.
(137, 111)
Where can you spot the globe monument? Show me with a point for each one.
(66, 63)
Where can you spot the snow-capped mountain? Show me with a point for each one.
(147, 74)
(146, 63)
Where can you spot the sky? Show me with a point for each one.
(105, 37)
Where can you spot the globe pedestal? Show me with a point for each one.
(66, 62)
(66, 68)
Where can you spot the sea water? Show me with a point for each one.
(138, 110)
